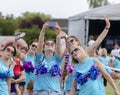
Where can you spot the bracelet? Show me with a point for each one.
(116, 90)
(107, 28)
(63, 37)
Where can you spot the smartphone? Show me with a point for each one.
(20, 35)
(52, 24)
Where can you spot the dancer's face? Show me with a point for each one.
(49, 46)
(72, 42)
(8, 52)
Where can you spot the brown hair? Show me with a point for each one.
(30, 86)
(49, 40)
(34, 40)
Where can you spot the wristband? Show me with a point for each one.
(107, 28)
(116, 90)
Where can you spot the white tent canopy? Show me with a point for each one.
(78, 25)
(111, 11)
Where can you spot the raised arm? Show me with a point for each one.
(100, 37)
(59, 34)
(41, 39)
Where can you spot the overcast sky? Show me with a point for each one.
(55, 8)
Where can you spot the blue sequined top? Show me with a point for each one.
(88, 78)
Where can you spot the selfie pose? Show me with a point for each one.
(48, 64)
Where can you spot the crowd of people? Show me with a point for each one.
(58, 66)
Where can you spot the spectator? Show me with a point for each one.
(91, 40)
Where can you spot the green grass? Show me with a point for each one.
(109, 89)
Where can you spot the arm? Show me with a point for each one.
(72, 91)
(21, 78)
(58, 46)
(59, 33)
(41, 39)
(65, 63)
(100, 37)
(64, 70)
(115, 75)
(107, 76)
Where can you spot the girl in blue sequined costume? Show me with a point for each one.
(48, 64)
(87, 74)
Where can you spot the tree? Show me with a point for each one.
(97, 3)
(8, 25)
(30, 23)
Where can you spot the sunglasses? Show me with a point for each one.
(75, 50)
(9, 50)
(49, 44)
(34, 45)
(71, 41)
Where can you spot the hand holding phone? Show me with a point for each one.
(19, 35)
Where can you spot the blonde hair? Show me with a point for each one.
(91, 38)
(104, 52)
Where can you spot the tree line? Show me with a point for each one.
(30, 23)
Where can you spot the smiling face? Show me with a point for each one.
(33, 47)
(104, 52)
(76, 52)
(9, 51)
(49, 46)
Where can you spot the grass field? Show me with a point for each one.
(109, 89)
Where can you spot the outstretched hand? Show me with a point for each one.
(107, 22)
(59, 31)
(17, 31)
(45, 26)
